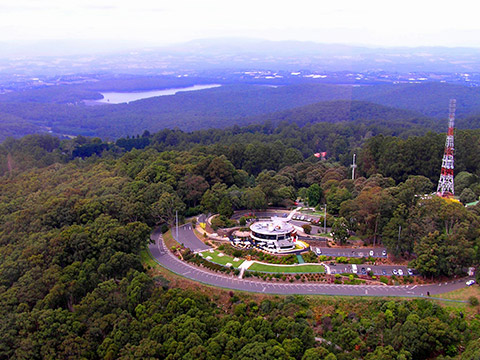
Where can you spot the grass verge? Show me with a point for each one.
(287, 269)
(147, 259)
(169, 240)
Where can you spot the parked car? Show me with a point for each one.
(384, 272)
(410, 272)
(318, 251)
(400, 272)
(395, 272)
(363, 271)
(470, 282)
(384, 252)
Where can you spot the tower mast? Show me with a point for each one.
(445, 183)
(353, 166)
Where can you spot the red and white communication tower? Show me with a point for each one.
(445, 184)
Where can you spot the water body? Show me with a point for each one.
(126, 97)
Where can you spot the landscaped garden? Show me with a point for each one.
(219, 257)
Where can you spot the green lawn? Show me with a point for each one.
(287, 269)
(222, 260)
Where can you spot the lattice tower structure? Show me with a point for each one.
(445, 183)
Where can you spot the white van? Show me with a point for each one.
(354, 268)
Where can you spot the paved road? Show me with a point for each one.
(165, 258)
(187, 237)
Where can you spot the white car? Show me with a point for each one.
(400, 272)
(371, 252)
(470, 282)
(318, 251)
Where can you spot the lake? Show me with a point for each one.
(126, 97)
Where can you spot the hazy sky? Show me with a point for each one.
(366, 22)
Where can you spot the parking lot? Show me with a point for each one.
(363, 269)
(377, 252)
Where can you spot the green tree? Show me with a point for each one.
(468, 196)
(335, 197)
(314, 195)
(191, 189)
(254, 199)
(397, 235)
(315, 353)
(464, 180)
(225, 207)
(340, 230)
(164, 210)
(212, 197)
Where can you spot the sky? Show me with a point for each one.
(359, 22)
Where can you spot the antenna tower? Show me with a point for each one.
(445, 183)
(353, 166)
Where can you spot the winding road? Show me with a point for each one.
(165, 258)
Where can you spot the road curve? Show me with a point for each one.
(165, 258)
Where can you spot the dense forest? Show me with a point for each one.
(75, 215)
(60, 110)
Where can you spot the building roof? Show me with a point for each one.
(272, 227)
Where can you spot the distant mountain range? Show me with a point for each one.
(231, 53)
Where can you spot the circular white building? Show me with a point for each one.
(274, 235)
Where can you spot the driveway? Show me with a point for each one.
(187, 238)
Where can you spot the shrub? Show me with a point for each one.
(356, 261)
(237, 253)
(473, 301)
(307, 228)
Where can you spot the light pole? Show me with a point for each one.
(325, 221)
(399, 231)
(176, 217)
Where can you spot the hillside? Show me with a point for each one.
(77, 283)
(429, 99)
(228, 105)
(212, 108)
(345, 110)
